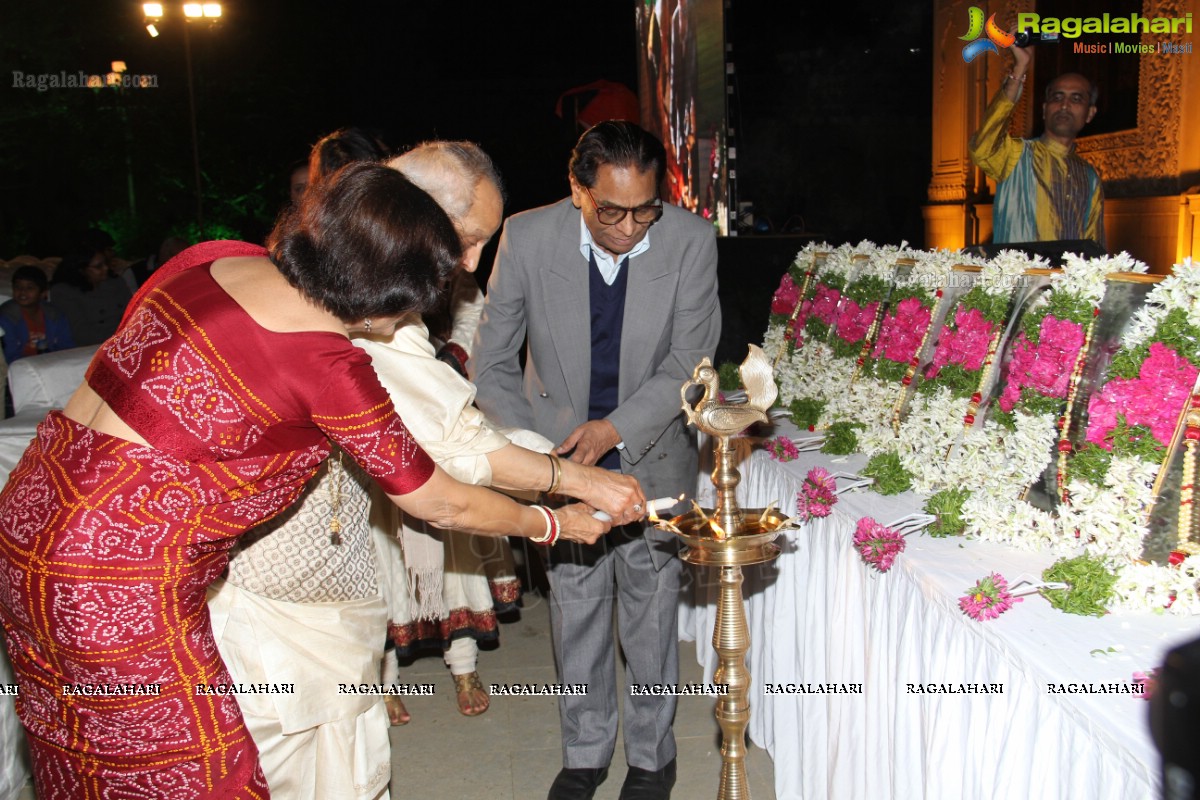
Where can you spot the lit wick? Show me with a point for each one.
(718, 531)
(664, 524)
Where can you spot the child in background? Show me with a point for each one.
(30, 324)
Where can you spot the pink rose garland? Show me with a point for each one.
(1046, 367)
(1153, 399)
(901, 333)
(965, 343)
(854, 320)
(786, 296)
(825, 304)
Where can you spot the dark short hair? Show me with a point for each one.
(340, 148)
(366, 243)
(31, 274)
(620, 144)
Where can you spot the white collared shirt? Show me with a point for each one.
(609, 267)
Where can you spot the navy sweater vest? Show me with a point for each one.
(608, 315)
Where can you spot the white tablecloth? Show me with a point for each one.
(817, 614)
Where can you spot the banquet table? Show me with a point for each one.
(822, 619)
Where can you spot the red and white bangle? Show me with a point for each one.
(552, 528)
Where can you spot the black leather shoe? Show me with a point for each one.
(576, 784)
(644, 784)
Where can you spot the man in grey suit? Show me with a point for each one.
(615, 296)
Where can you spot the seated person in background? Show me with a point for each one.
(30, 324)
(92, 299)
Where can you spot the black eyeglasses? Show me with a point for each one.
(611, 215)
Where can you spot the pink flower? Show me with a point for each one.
(965, 342)
(988, 599)
(877, 544)
(817, 496)
(1154, 398)
(854, 321)
(1148, 681)
(786, 296)
(781, 449)
(825, 303)
(1046, 368)
(901, 333)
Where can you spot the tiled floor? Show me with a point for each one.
(512, 751)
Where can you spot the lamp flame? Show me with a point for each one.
(717, 530)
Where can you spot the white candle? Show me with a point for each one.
(651, 507)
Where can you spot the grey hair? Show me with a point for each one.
(449, 171)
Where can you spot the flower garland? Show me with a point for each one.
(817, 496)
(1131, 419)
(988, 599)
(1048, 358)
(863, 297)
(787, 304)
(877, 544)
(821, 311)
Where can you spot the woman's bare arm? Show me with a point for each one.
(446, 503)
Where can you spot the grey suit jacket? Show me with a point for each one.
(539, 292)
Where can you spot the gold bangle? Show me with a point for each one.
(555, 473)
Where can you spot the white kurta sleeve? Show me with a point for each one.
(435, 403)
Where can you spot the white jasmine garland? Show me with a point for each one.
(1001, 275)
(1153, 587)
(1180, 289)
(1012, 522)
(1085, 277)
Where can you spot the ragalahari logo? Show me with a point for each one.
(997, 37)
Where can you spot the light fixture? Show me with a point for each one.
(153, 31)
(212, 10)
(152, 10)
(119, 66)
(193, 10)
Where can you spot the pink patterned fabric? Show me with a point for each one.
(107, 546)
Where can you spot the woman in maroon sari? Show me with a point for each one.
(202, 417)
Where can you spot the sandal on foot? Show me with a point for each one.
(472, 699)
(397, 713)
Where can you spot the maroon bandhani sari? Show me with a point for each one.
(107, 547)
